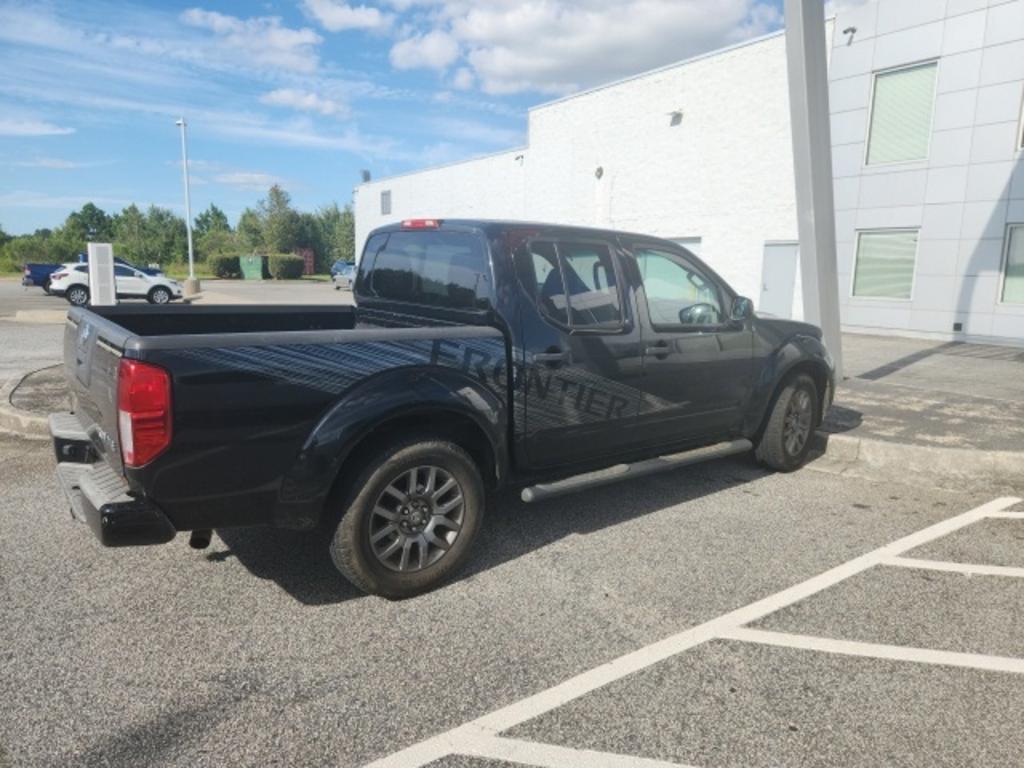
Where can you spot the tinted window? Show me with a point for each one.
(120, 271)
(446, 269)
(590, 280)
(677, 294)
(550, 288)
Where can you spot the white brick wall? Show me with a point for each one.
(724, 174)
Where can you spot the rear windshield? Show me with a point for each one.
(441, 269)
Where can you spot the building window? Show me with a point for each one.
(1013, 266)
(885, 264)
(901, 114)
(385, 203)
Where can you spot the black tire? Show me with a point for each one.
(351, 548)
(159, 295)
(786, 439)
(46, 286)
(78, 295)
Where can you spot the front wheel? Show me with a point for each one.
(77, 295)
(787, 435)
(159, 296)
(415, 513)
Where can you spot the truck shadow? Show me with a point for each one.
(300, 564)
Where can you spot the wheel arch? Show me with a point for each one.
(803, 354)
(436, 403)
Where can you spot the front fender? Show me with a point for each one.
(797, 350)
(427, 391)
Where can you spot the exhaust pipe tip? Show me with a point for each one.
(200, 539)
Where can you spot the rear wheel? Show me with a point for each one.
(77, 295)
(159, 295)
(415, 512)
(787, 435)
(46, 286)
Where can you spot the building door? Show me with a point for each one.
(778, 279)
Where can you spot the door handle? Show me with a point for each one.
(658, 349)
(553, 356)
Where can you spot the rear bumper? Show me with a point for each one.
(100, 497)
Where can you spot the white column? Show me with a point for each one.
(812, 163)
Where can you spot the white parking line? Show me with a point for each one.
(877, 650)
(462, 738)
(968, 569)
(552, 755)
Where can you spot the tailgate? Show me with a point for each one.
(92, 354)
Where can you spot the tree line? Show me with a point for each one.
(158, 235)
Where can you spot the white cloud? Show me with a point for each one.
(554, 46)
(463, 79)
(54, 163)
(306, 101)
(336, 17)
(462, 130)
(264, 39)
(433, 50)
(17, 127)
(248, 180)
(29, 199)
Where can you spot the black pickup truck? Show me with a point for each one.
(480, 354)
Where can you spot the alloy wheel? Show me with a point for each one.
(416, 519)
(797, 426)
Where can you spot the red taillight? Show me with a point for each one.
(421, 224)
(143, 411)
(58, 275)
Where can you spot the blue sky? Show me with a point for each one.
(305, 92)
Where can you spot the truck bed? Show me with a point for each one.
(253, 388)
(148, 321)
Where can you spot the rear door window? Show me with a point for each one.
(548, 276)
(441, 269)
(591, 286)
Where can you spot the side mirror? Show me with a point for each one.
(742, 308)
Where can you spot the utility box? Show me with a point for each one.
(253, 266)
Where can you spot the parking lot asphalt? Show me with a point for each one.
(256, 652)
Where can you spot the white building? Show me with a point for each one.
(926, 101)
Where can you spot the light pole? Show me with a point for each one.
(191, 285)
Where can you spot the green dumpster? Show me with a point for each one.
(253, 266)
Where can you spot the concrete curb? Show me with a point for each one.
(904, 462)
(30, 425)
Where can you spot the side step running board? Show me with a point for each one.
(626, 471)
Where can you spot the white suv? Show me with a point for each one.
(72, 282)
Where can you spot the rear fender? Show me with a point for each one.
(427, 392)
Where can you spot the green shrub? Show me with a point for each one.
(224, 266)
(286, 266)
